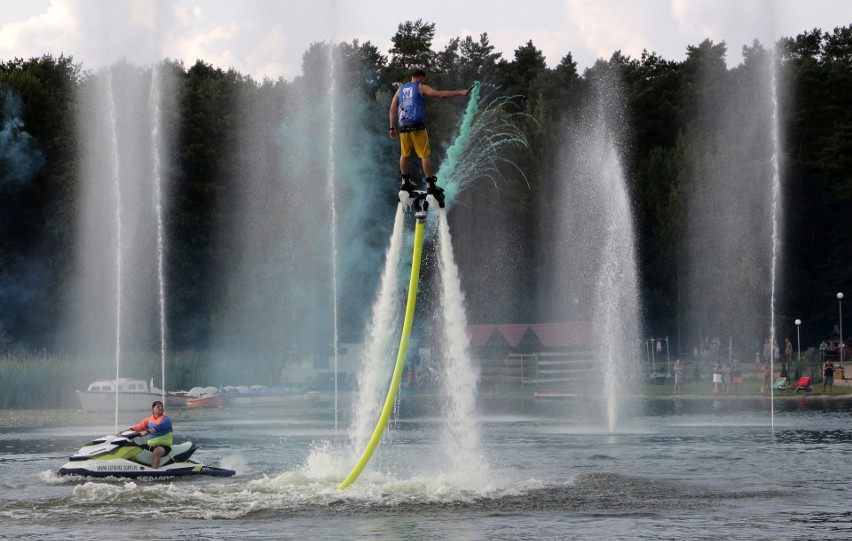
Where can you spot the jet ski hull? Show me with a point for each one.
(127, 469)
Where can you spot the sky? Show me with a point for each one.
(267, 38)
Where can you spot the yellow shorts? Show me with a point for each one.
(417, 140)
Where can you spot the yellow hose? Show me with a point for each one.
(400, 358)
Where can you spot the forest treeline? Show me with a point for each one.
(40, 160)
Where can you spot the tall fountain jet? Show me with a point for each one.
(733, 238)
(302, 215)
(595, 256)
(776, 204)
(117, 309)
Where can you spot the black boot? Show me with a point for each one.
(406, 185)
(435, 191)
(406, 190)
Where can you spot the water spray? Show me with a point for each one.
(421, 205)
(116, 175)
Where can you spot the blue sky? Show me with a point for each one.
(266, 38)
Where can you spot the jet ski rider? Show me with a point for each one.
(158, 428)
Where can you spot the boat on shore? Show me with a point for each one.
(133, 395)
(215, 400)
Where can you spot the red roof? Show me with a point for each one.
(571, 334)
(479, 334)
(550, 335)
(513, 333)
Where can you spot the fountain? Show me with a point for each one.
(120, 267)
(158, 146)
(733, 239)
(330, 177)
(307, 219)
(305, 214)
(116, 175)
(776, 208)
(594, 252)
(294, 198)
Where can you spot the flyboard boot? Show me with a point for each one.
(435, 191)
(406, 190)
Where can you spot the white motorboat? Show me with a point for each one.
(133, 395)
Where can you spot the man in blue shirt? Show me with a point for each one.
(408, 102)
(158, 428)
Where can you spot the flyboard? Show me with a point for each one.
(421, 205)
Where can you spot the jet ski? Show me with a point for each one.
(121, 456)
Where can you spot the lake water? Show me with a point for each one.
(684, 469)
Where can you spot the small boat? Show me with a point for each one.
(216, 400)
(177, 399)
(258, 395)
(133, 395)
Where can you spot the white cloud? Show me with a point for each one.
(211, 45)
(41, 33)
(268, 37)
(264, 60)
(605, 27)
(735, 22)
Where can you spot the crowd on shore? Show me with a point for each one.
(728, 375)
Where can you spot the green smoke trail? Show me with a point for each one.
(451, 183)
(486, 136)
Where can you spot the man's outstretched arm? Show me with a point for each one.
(429, 91)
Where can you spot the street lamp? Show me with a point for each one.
(840, 312)
(798, 323)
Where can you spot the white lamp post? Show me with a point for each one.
(798, 342)
(840, 312)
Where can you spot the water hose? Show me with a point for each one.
(400, 358)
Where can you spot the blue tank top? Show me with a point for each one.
(410, 107)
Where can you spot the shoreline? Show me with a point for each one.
(321, 410)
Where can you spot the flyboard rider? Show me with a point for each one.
(409, 103)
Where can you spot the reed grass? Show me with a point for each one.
(37, 381)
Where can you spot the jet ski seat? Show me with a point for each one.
(147, 457)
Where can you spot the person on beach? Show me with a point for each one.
(717, 377)
(408, 102)
(828, 375)
(158, 428)
(678, 376)
(736, 376)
